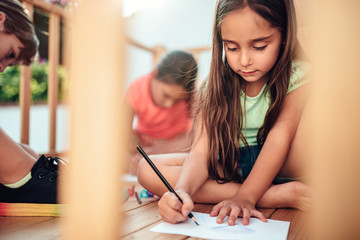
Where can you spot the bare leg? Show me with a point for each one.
(29, 150)
(292, 194)
(15, 162)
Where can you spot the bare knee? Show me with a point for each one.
(143, 173)
(168, 164)
(148, 179)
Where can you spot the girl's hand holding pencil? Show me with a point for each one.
(171, 210)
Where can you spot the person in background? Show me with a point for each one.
(161, 104)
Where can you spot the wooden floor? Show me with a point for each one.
(139, 218)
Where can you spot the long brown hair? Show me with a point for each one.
(18, 22)
(219, 98)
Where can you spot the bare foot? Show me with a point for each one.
(303, 196)
(287, 195)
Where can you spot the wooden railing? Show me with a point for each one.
(57, 13)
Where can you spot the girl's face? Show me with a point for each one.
(166, 95)
(10, 49)
(251, 46)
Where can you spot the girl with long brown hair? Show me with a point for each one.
(246, 142)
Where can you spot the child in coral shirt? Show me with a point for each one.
(161, 103)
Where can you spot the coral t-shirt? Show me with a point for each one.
(154, 121)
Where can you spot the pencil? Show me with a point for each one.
(138, 199)
(190, 215)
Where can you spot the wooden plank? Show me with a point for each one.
(25, 100)
(48, 7)
(54, 53)
(140, 218)
(11, 224)
(159, 51)
(134, 43)
(25, 92)
(297, 218)
(44, 230)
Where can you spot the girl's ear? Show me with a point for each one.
(2, 21)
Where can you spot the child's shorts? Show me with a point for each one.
(248, 160)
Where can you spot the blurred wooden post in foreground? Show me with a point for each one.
(92, 187)
(335, 157)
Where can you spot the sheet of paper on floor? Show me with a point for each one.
(209, 229)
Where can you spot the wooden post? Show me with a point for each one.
(53, 81)
(92, 187)
(25, 92)
(335, 156)
(158, 52)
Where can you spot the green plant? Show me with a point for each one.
(10, 83)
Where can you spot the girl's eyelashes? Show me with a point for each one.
(231, 49)
(260, 48)
(255, 48)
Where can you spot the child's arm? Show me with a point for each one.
(193, 174)
(268, 164)
(195, 168)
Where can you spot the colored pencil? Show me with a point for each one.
(138, 199)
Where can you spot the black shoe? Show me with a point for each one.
(40, 189)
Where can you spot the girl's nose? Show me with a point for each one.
(168, 103)
(245, 58)
(4, 64)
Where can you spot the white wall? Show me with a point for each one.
(175, 24)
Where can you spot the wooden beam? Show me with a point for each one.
(53, 81)
(48, 7)
(92, 186)
(25, 92)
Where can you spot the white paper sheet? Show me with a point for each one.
(209, 229)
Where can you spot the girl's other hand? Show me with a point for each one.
(170, 208)
(234, 208)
